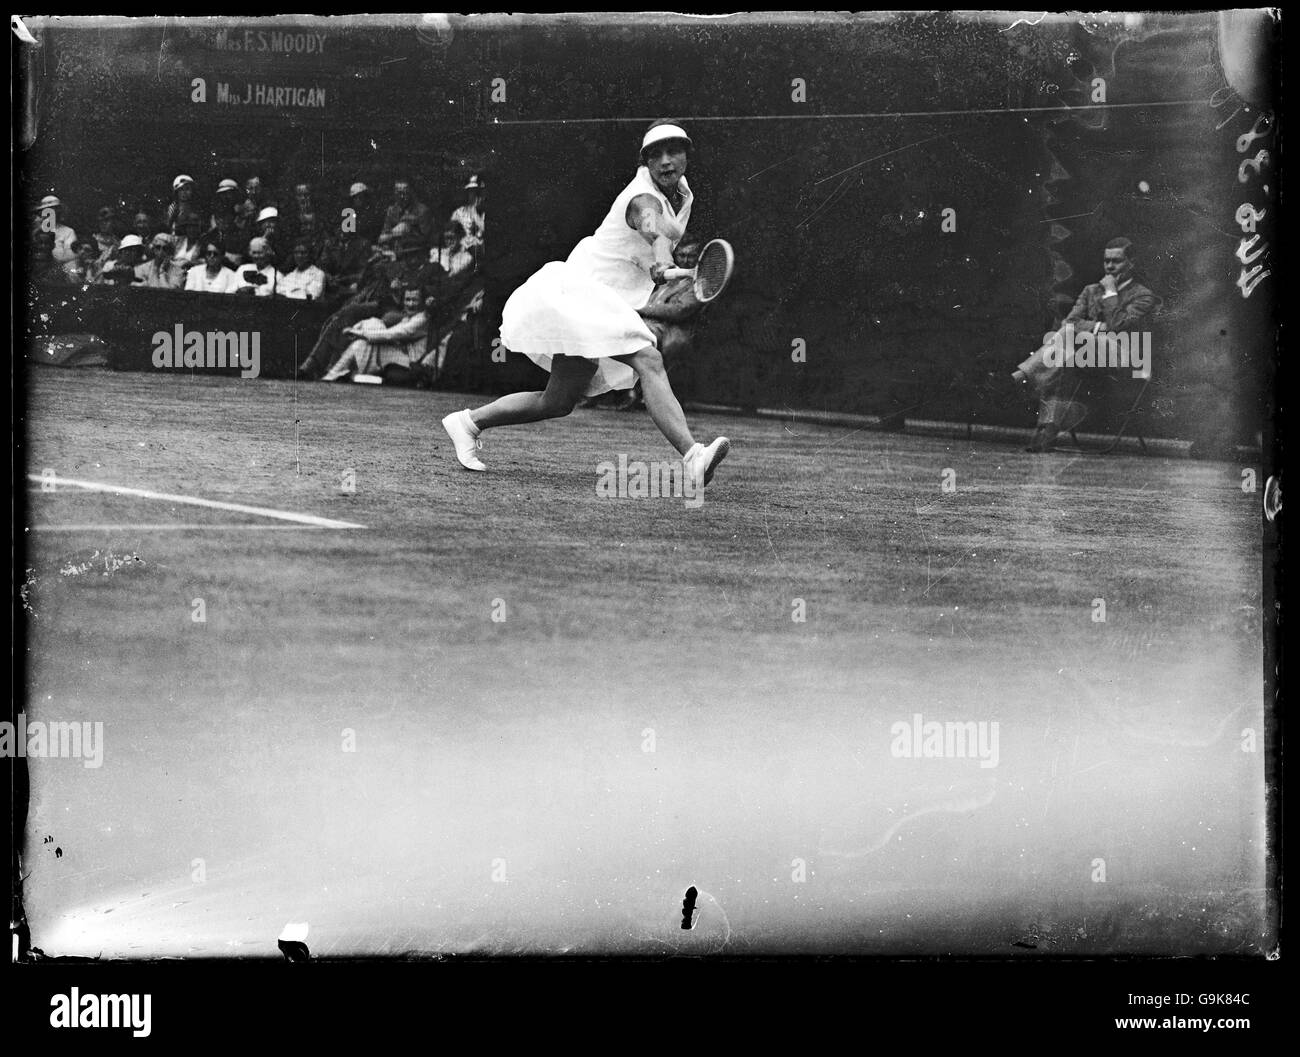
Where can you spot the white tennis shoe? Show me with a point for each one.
(701, 462)
(465, 437)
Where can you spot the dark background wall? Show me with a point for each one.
(836, 220)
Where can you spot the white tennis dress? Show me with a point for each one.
(587, 305)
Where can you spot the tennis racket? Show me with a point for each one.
(711, 272)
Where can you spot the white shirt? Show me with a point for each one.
(199, 281)
(186, 252)
(300, 285)
(452, 261)
(473, 221)
(64, 237)
(619, 257)
(266, 289)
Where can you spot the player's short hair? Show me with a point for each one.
(638, 207)
(1122, 243)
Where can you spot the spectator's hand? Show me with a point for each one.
(1108, 284)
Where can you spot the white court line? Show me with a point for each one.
(240, 508)
(173, 528)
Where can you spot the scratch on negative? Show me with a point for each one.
(942, 576)
(846, 436)
(829, 199)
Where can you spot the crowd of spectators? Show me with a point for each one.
(366, 258)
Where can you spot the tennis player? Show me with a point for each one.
(578, 318)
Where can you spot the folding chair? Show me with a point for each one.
(1138, 403)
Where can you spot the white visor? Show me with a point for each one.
(663, 132)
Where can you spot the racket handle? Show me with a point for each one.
(679, 273)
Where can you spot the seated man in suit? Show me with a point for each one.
(1117, 304)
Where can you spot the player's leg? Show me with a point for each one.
(659, 398)
(666, 411)
(570, 376)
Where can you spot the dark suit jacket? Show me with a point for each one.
(1125, 311)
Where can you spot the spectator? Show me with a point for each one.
(225, 202)
(1117, 303)
(248, 209)
(673, 308)
(161, 273)
(411, 268)
(367, 220)
(258, 278)
(181, 204)
(121, 269)
(268, 223)
(309, 231)
(143, 226)
(49, 218)
(347, 250)
(371, 293)
(212, 277)
(254, 196)
(304, 205)
(225, 233)
(189, 252)
(472, 216)
(377, 346)
(456, 292)
(408, 222)
(84, 269)
(306, 281)
(106, 238)
(453, 256)
(45, 270)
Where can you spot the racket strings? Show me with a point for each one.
(711, 272)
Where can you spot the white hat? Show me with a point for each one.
(49, 202)
(663, 132)
(267, 214)
(162, 239)
(227, 185)
(180, 181)
(128, 241)
(357, 189)
(475, 184)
